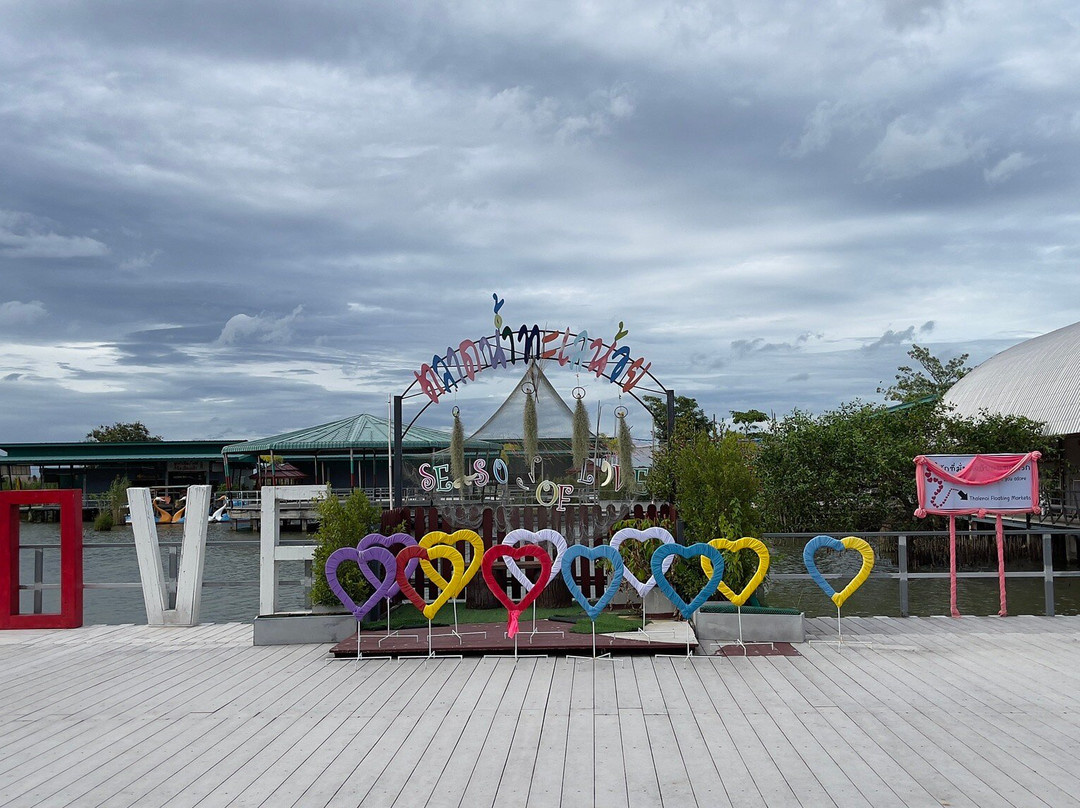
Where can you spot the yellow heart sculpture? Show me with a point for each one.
(437, 537)
(867, 553)
(745, 543)
(446, 588)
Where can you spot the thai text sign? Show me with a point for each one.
(977, 484)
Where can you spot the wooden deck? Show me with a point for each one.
(971, 712)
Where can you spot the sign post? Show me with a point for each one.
(977, 485)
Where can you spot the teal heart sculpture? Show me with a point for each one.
(665, 551)
(614, 577)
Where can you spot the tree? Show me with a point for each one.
(689, 417)
(934, 379)
(851, 469)
(716, 486)
(342, 525)
(122, 433)
(690, 421)
(748, 419)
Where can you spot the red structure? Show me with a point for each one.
(71, 559)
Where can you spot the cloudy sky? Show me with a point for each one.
(229, 219)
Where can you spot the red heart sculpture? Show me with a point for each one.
(513, 609)
(447, 587)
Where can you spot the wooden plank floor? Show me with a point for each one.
(925, 712)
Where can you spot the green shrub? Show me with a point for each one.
(342, 525)
(116, 496)
(103, 521)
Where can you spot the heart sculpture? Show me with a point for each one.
(363, 558)
(437, 537)
(745, 543)
(522, 535)
(532, 592)
(447, 588)
(614, 578)
(379, 540)
(849, 543)
(667, 552)
(643, 535)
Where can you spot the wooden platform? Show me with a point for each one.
(972, 712)
(474, 639)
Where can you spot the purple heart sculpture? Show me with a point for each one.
(363, 559)
(379, 540)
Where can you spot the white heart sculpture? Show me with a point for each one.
(643, 535)
(523, 536)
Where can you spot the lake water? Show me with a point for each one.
(232, 558)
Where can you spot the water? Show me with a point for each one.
(233, 557)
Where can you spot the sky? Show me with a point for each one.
(230, 220)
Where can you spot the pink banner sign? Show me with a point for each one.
(959, 485)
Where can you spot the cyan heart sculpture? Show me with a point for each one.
(523, 536)
(848, 543)
(363, 558)
(614, 577)
(667, 552)
(631, 533)
(379, 540)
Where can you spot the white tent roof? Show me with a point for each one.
(554, 419)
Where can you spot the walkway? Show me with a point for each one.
(972, 712)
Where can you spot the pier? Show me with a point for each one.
(980, 711)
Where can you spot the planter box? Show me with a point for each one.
(302, 628)
(756, 627)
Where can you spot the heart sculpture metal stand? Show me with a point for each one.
(666, 553)
(426, 554)
(510, 555)
(438, 537)
(612, 555)
(643, 587)
(848, 543)
(558, 541)
(739, 598)
(379, 540)
(362, 557)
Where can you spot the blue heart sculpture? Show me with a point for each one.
(614, 579)
(665, 551)
(847, 543)
(811, 548)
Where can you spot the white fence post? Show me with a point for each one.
(270, 549)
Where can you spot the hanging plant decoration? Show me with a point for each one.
(529, 426)
(626, 453)
(580, 444)
(457, 452)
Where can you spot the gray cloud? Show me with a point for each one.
(26, 236)
(225, 223)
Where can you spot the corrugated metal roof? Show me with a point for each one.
(1038, 379)
(44, 454)
(357, 432)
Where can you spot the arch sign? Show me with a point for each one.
(508, 345)
(977, 485)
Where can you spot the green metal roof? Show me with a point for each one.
(48, 454)
(365, 432)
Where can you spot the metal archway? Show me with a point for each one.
(507, 347)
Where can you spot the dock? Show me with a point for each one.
(980, 711)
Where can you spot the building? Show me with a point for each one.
(1037, 379)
